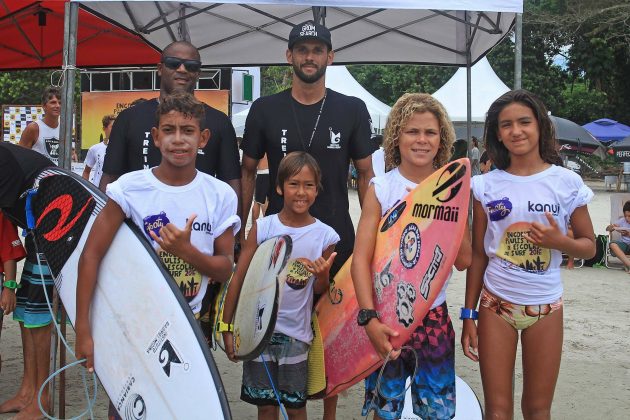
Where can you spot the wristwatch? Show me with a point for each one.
(364, 316)
(466, 313)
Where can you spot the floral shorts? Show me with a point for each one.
(518, 316)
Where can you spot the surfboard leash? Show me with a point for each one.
(377, 388)
(275, 391)
(30, 221)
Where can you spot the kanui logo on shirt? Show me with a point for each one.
(335, 139)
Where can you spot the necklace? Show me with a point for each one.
(297, 123)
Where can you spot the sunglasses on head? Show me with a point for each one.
(173, 63)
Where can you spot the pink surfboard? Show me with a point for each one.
(416, 246)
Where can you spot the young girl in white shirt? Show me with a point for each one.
(520, 216)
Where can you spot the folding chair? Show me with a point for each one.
(616, 212)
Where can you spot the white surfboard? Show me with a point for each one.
(149, 352)
(259, 300)
(467, 406)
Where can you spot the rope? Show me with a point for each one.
(380, 375)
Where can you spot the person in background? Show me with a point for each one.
(96, 154)
(474, 157)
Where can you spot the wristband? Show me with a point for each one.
(466, 313)
(11, 284)
(225, 327)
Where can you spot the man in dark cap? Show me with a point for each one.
(332, 127)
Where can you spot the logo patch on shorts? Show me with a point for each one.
(409, 248)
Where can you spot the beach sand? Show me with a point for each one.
(594, 377)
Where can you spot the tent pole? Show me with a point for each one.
(468, 83)
(67, 90)
(518, 51)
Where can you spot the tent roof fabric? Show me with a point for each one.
(607, 130)
(339, 79)
(365, 31)
(485, 86)
(27, 45)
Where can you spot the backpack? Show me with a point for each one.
(601, 241)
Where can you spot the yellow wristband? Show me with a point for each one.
(225, 327)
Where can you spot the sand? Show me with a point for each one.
(594, 377)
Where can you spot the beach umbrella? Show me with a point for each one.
(607, 130)
(573, 137)
(621, 150)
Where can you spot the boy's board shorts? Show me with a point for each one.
(624, 246)
(286, 360)
(433, 388)
(31, 307)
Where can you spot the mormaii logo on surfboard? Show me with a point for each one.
(155, 223)
(450, 182)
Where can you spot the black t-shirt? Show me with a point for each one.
(131, 145)
(343, 133)
(18, 168)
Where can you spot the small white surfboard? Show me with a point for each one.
(258, 303)
(149, 353)
(467, 406)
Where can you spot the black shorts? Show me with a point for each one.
(262, 188)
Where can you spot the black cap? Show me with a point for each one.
(309, 30)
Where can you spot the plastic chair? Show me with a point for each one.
(616, 212)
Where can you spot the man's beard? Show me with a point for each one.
(309, 78)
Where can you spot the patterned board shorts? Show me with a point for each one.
(31, 307)
(287, 362)
(518, 316)
(433, 387)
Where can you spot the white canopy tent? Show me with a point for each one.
(450, 32)
(368, 31)
(339, 79)
(485, 87)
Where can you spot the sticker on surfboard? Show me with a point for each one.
(416, 245)
(259, 300)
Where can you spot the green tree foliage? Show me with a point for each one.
(23, 87)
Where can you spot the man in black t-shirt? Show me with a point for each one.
(131, 146)
(332, 127)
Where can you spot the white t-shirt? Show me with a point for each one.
(294, 314)
(474, 161)
(622, 222)
(94, 159)
(378, 162)
(519, 271)
(151, 204)
(390, 189)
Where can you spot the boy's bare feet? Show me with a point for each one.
(30, 412)
(15, 404)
